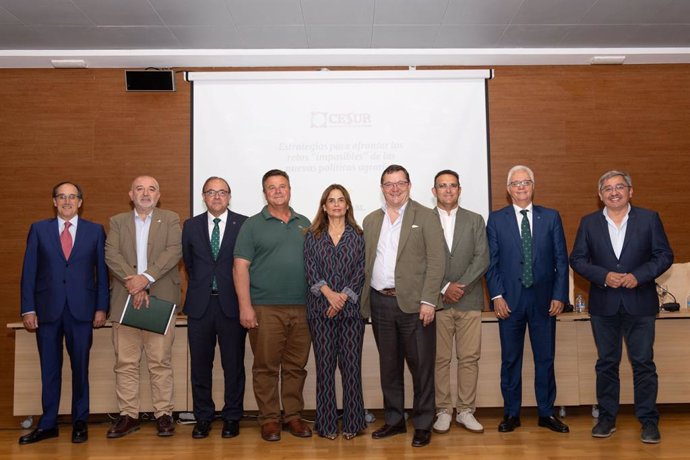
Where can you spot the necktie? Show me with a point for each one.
(66, 240)
(526, 239)
(215, 246)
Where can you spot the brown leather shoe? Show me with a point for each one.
(270, 431)
(165, 425)
(123, 426)
(298, 428)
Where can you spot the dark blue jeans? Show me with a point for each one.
(638, 332)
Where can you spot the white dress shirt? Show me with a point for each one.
(617, 234)
(142, 233)
(221, 225)
(383, 274)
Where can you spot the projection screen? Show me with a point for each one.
(345, 127)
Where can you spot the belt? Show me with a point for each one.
(214, 292)
(389, 292)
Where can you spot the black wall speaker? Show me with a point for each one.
(150, 80)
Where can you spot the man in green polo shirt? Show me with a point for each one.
(271, 289)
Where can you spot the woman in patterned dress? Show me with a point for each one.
(334, 260)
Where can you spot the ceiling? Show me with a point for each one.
(141, 33)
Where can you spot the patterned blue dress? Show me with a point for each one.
(337, 341)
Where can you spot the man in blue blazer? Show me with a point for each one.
(64, 295)
(208, 242)
(528, 285)
(621, 251)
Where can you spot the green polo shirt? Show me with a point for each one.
(276, 252)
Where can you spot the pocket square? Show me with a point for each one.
(415, 226)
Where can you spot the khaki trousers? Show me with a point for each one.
(281, 346)
(465, 329)
(129, 343)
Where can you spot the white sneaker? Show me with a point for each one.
(442, 424)
(466, 419)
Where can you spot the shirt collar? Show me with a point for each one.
(223, 217)
(517, 209)
(445, 213)
(606, 212)
(73, 221)
(402, 208)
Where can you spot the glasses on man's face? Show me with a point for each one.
(220, 193)
(617, 187)
(444, 186)
(399, 184)
(521, 183)
(64, 197)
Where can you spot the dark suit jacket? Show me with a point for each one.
(646, 254)
(420, 264)
(201, 267)
(468, 259)
(164, 252)
(49, 282)
(549, 257)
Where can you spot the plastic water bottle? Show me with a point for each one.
(579, 304)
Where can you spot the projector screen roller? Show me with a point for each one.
(339, 127)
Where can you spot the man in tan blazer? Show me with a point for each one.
(142, 251)
(404, 268)
(459, 324)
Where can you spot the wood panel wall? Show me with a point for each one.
(569, 123)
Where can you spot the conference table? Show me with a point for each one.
(574, 365)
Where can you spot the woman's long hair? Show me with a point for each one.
(320, 223)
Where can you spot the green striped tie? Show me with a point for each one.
(215, 246)
(526, 239)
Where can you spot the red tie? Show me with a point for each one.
(66, 240)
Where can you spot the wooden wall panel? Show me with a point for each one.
(570, 124)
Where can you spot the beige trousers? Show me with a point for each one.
(464, 330)
(129, 343)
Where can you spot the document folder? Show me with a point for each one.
(157, 317)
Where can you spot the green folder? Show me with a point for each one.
(157, 317)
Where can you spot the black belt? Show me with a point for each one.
(214, 292)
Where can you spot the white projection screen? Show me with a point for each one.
(345, 127)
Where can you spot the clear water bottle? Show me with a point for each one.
(579, 304)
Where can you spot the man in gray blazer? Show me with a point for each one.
(467, 259)
(403, 273)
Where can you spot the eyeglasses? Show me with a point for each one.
(70, 197)
(445, 186)
(399, 184)
(220, 193)
(521, 183)
(617, 187)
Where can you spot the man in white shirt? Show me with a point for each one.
(404, 265)
(459, 324)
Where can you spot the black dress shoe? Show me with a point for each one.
(388, 430)
(508, 424)
(231, 428)
(80, 432)
(201, 429)
(553, 424)
(421, 438)
(38, 435)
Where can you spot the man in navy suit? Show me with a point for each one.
(208, 241)
(621, 251)
(528, 285)
(64, 295)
